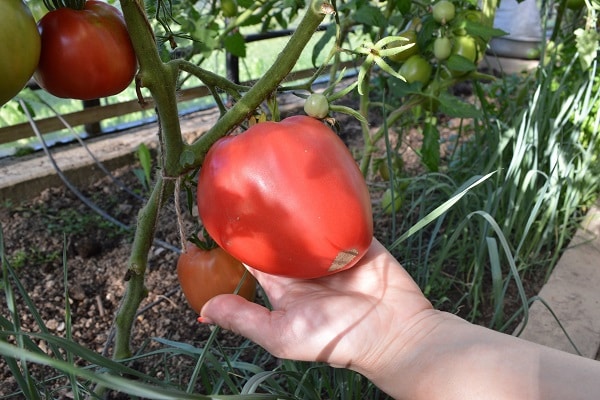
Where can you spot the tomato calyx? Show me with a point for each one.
(207, 243)
(52, 5)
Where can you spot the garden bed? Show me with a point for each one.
(37, 231)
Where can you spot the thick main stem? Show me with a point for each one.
(138, 261)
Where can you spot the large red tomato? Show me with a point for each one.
(204, 274)
(286, 198)
(86, 54)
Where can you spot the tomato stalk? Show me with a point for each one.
(56, 4)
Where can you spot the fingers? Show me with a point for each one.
(243, 317)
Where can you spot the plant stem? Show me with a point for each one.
(138, 261)
(160, 79)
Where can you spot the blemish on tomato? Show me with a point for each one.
(343, 258)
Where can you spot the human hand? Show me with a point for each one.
(348, 319)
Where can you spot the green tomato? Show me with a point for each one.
(20, 46)
(442, 48)
(443, 11)
(465, 46)
(416, 69)
(229, 8)
(405, 54)
(316, 106)
(386, 201)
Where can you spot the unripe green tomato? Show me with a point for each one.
(442, 48)
(316, 106)
(20, 45)
(229, 8)
(443, 11)
(386, 201)
(465, 46)
(416, 69)
(404, 55)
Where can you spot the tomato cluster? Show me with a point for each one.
(443, 43)
(72, 53)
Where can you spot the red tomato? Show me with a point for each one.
(286, 198)
(204, 274)
(86, 54)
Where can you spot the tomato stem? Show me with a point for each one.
(52, 5)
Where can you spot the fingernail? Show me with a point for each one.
(204, 320)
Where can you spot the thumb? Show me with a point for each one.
(243, 317)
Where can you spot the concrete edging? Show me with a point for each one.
(573, 294)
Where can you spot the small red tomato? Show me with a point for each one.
(86, 54)
(286, 198)
(204, 274)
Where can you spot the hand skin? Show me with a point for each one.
(374, 319)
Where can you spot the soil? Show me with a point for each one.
(37, 232)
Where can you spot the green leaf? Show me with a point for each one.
(454, 107)
(235, 44)
(145, 158)
(369, 15)
(483, 31)
(460, 64)
(587, 45)
(403, 6)
(430, 150)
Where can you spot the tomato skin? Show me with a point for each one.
(442, 48)
(416, 69)
(443, 11)
(229, 8)
(204, 274)
(465, 46)
(316, 106)
(286, 198)
(86, 54)
(19, 48)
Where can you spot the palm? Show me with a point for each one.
(336, 319)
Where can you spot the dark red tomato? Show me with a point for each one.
(204, 274)
(86, 54)
(286, 198)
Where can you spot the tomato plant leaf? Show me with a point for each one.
(460, 64)
(403, 6)
(235, 44)
(483, 31)
(369, 15)
(454, 107)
